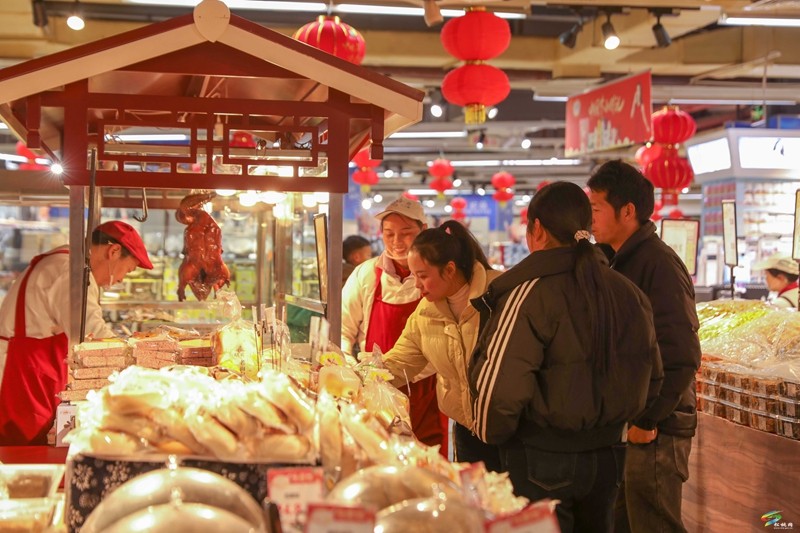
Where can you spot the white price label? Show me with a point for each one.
(331, 518)
(729, 233)
(293, 489)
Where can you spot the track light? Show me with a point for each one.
(610, 37)
(660, 33)
(436, 103)
(481, 142)
(75, 20)
(526, 143)
(570, 37)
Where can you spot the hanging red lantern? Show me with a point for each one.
(647, 153)
(502, 196)
(366, 178)
(331, 35)
(670, 173)
(458, 203)
(458, 215)
(672, 126)
(475, 87)
(656, 216)
(523, 215)
(541, 185)
(412, 197)
(23, 150)
(441, 168)
(362, 160)
(477, 36)
(503, 180)
(242, 139)
(676, 213)
(441, 184)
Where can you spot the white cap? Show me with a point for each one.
(407, 208)
(778, 262)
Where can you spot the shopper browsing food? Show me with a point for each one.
(355, 250)
(568, 356)
(35, 319)
(781, 272)
(660, 438)
(377, 300)
(450, 268)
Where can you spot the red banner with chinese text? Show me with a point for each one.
(613, 115)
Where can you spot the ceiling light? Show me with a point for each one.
(436, 110)
(148, 137)
(491, 113)
(243, 4)
(760, 21)
(3, 126)
(428, 134)
(610, 37)
(388, 173)
(660, 33)
(481, 191)
(378, 198)
(366, 203)
(481, 141)
(225, 192)
(75, 20)
(526, 143)
(430, 203)
(570, 37)
(457, 182)
(56, 168)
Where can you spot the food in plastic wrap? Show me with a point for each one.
(720, 317)
(184, 518)
(430, 515)
(330, 438)
(383, 486)
(340, 382)
(178, 486)
(388, 405)
(368, 434)
(236, 345)
(27, 516)
(279, 390)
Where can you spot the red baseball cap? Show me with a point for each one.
(129, 238)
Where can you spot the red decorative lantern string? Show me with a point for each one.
(459, 205)
(503, 180)
(441, 169)
(502, 196)
(672, 126)
(474, 38)
(331, 35)
(365, 176)
(671, 173)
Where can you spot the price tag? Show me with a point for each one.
(331, 518)
(538, 517)
(682, 236)
(729, 233)
(293, 489)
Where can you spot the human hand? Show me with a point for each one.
(637, 435)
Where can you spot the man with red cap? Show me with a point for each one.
(35, 320)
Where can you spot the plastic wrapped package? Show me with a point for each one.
(388, 405)
(33, 515)
(340, 382)
(329, 438)
(29, 481)
(430, 515)
(236, 345)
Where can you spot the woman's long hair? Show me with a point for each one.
(450, 242)
(564, 211)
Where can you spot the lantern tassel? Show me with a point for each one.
(475, 114)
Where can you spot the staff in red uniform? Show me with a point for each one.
(377, 300)
(34, 321)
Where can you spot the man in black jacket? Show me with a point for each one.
(660, 438)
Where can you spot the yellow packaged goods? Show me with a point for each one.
(236, 348)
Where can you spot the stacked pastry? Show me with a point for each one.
(90, 365)
(196, 352)
(156, 352)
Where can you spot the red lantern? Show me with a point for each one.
(362, 160)
(671, 173)
(672, 126)
(541, 185)
(503, 180)
(366, 178)
(458, 203)
(331, 35)
(242, 139)
(656, 216)
(475, 86)
(676, 213)
(477, 36)
(441, 168)
(523, 215)
(23, 150)
(410, 196)
(458, 215)
(441, 184)
(502, 196)
(647, 153)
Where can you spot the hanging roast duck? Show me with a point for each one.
(202, 267)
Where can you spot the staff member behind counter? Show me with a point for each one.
(35, 318)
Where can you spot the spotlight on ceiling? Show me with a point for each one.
(610, 37)
(75, 20)
(436, 103)
(491, 113)
(526, 143)
(660, 33)
(570, 37)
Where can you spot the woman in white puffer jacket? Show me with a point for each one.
(449, 268)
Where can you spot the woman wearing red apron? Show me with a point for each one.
(34, 319)
(377, 300)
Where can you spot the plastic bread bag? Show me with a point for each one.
(236, 345)
(388, 405)
(369, 434)
(340, 382)
(279, 390)
(329, 438)
(371, 367)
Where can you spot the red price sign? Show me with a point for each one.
(331, 518)
(538, 517)
(293, 489)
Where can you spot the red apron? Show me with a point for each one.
(386, 323)
(36, 370)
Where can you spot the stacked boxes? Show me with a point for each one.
(158, 352)
(90, 365)
(763, 403)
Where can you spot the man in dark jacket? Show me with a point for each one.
(567, 355)
(660, 439)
